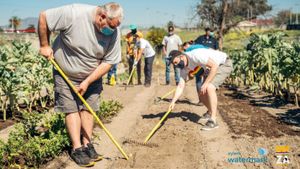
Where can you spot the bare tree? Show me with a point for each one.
(226, 14)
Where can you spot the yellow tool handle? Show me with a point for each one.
(89, 108)
(167, 94)
(130, 76)
(170, 92)
(157, 125)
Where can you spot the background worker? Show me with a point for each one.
(171, 42)
(207, 39)
(112, 75)
(131, 51)
(145, 48)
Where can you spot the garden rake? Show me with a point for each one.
(89, 108)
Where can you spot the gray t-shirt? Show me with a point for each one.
(171, 42)
(80, 47)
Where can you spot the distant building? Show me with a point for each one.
(256, 23)
(263, 23)
(28, 30)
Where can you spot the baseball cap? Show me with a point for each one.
(132, 26)
(173, 54)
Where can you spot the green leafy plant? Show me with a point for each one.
(268, 63)
(23, 76)
(34, 141)
(155, 36)
(109, 109)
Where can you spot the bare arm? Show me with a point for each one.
(212, 73)
(178, 93)
(139, 53)
(165, 49)
(100, 71)
(44, 37)
(213, 70)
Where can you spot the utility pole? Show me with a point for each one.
(297, 13)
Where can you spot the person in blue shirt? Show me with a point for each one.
(112, 71)
(187, 46)
(208, 39)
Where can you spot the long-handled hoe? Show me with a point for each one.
(89, 109)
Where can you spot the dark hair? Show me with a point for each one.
(207, 29)
(185, 43)
(171, 28)
(174, 54)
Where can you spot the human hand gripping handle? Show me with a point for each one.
(172, 105)
(82, 88)
(47, 52)
(135, 62)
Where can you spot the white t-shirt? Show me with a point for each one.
(199, 57)
(171, 42)
(148, 50)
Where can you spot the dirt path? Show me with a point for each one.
(181, 143)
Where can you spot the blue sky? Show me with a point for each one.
(142, 12)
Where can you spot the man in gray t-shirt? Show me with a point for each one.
(87, 45)
(171, 42)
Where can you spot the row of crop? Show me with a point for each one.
(25, 78)
(268, 63)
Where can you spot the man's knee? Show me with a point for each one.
(211, 88)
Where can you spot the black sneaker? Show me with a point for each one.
(206, 116)
(210, 125)
(147, 85)
(81, 158)
(91, 152)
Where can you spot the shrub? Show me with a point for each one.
(34, 141)
(109, 109)
(155, 36)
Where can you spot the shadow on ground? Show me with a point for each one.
(185, 116)
(291, 117)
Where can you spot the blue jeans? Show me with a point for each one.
(199, 81)
(176, 70)
(112, 71)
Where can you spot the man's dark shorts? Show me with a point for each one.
(67, 101)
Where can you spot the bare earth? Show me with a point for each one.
(244, 129)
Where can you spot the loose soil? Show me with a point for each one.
(5, 124)
(244, 128)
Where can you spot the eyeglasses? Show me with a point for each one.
(112, 23)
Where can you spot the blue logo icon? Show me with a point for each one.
(262, 151)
